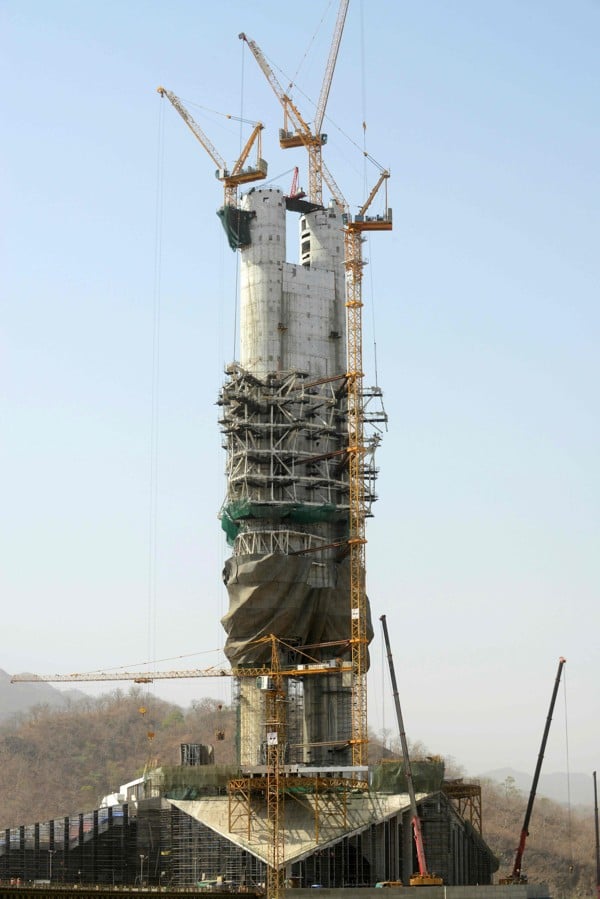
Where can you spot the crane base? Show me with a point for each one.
(426, 880)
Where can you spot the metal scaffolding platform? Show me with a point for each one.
(287, 480)
(467, 800)
(98, 847)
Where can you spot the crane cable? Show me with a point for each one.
(284, 77)
(155, 402)
(217, 112)
(236, 297)
(363, 79)
(366, 158)
(154, 662)
(292, 82)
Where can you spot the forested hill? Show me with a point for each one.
(18, 699)
(56, 762)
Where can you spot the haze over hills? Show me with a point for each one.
(578, 789)
(17, 699)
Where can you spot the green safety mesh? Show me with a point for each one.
(301, 513)
(427, 776)
(313, 788)
(193, 781)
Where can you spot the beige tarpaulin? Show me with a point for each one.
(271, 595)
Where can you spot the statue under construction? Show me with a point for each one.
(286, 510)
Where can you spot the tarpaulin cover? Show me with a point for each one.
(236, 223)
(189, 782)
(272, 595)
(427, 776)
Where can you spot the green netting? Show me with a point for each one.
(427, 776)
(230, 527)
(310, 514)
(192, 781)
(301, 513)
(236, 223)
(311, 788)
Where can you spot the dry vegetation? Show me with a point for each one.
(60, 762)
(560, 850)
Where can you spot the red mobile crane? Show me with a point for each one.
(517, 876)
(424, 877)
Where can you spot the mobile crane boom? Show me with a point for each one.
(516, 876)
(423, 878)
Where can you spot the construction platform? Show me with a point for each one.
(211, 841)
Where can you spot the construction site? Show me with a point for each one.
(301, 808)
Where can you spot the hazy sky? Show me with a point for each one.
(483, 303)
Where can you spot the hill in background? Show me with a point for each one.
(16, 699)
(61, 761)
(573, 789)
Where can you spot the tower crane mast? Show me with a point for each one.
(356, 455)
(313, 141)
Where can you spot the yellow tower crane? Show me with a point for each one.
(238, 174)
(275, 727)
(357, 449)
(296, 131)
(313, 140)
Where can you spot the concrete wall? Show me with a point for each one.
(526, 891)
(292, 317)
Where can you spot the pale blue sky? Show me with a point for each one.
(484, 549)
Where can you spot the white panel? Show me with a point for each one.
(261, 283)
(292, 317)
(308, 299)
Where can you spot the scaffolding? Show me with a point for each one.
(199, 856)
(286, 515)
(95, 847)
(165, 842)
(287, 463)
(328, 795)
(467, 801)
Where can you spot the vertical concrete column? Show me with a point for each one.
(261, 291)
